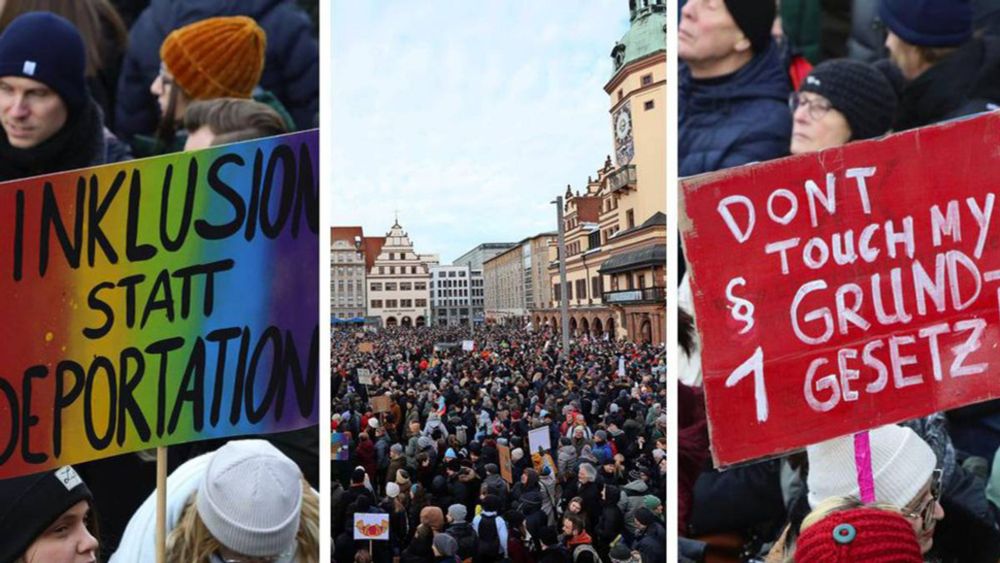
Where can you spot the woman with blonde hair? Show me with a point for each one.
(871, 534)
(244, 502)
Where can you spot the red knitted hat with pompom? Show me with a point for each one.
(862, 534)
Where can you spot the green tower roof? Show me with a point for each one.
(646, 35)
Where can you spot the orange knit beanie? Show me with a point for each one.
(216, 57)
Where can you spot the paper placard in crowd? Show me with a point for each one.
(366, 347)
(468, 345)
(364, 376)
(339, 447)
(371, 526)
(159, 301)
(382, 403)
(539, 438)
(865, 293)
(505, 468)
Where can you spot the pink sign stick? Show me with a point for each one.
(863, 462)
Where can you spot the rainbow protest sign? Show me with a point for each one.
(159, 301)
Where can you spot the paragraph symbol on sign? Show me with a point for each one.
(741, 309)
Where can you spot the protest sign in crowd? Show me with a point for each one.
(836, 398)
(139, 309)
(489, 445)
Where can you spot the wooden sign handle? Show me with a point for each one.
(161, 504)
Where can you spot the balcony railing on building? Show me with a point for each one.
(623, 178)
(635, 296)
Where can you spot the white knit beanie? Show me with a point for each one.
(251, 497)
(391, 490)
(902, 463)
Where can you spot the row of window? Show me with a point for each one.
(398, 303)
(579, 287)
(444, 312)
(450, 293)
(596, 288)
(400, 286)
(341, 271)
(449, 283)
(346, 257)
(450, 274)
(349, 286)
(402, 270)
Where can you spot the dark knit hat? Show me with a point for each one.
(548, 536)
(48, 48)
(755, 18)
(445, 544)
(620, 552)
(863, 534)
(491, 503)
(514, 518)
(28, 505)
(929, 23)
(857, 90)
(645, 516)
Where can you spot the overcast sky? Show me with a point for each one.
(468, 117)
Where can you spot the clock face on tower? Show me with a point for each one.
(622, 122)
(623, 125)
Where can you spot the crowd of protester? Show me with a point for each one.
(90, 82)
(759, 81)
(430, 459)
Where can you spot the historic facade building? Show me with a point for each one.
(615, 226)
(347, 274)
(398, 284)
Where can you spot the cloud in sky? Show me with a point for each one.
(467, 117)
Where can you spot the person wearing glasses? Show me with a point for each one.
(244, 503)
(905, 474)
(841, 100)
(220, 57)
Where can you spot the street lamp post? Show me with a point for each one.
(563, 302)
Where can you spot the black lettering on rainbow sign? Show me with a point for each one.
(158, 302)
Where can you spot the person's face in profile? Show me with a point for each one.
(67, 540)
(816, 125)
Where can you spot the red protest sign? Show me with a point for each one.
(859, 287)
